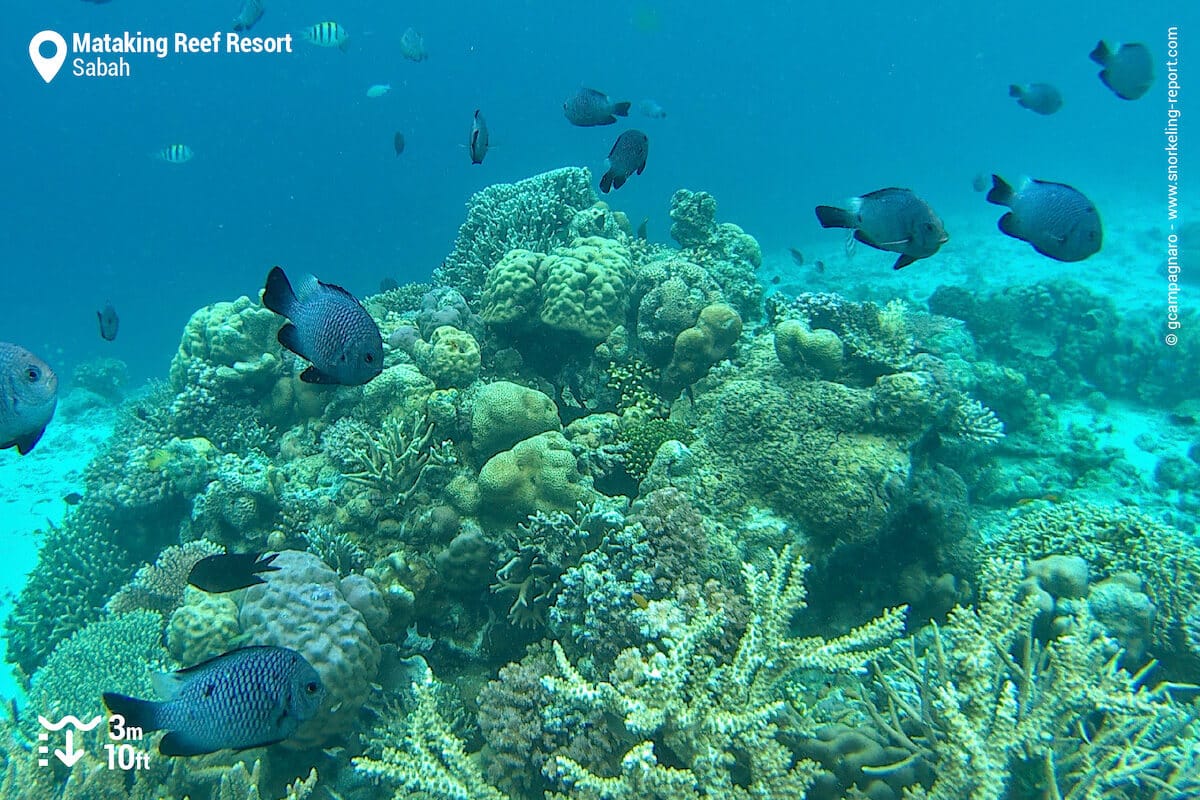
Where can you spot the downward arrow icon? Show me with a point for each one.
(71, 755)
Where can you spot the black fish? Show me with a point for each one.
(72, 498)
(109, 322)
(820, 265)
(387, 284)
(775, 280)
(328, 327)
(249, 697)
(641, 231)
(478, 142)
(1053, 217)
(1128, 71)
(398, 142)
(891, 219)
(628, 155)
(227, 572)
(797, 256)
(588, 107)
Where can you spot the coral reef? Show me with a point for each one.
(533, 214)
(537, 474)
(160, 586)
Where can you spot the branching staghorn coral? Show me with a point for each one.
(985, 703)
(426, 755)
(394, 461)
(720, 719)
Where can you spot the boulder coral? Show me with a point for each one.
(800, 349)
(537, 474)
(503, 413)
(699, 347)
(303, 607)
(233, 345)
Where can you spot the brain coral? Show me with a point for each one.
(510, 294)
(302, 606)
(537, 474)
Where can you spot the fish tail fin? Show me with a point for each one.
(137, 713)
(606, 182)
(831, 217)
(1001, 193)
(1101, 54)
(278, 294)
(344, 45)
(622, 109)
(1014, 90)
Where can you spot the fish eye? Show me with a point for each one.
(370, 358)
(929, 226)
(34, 374)
(311, 687)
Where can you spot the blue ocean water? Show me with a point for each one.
(772, 108)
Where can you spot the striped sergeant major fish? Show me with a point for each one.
(327, 34)
(175, 154)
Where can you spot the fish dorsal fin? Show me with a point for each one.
(880, 193)
(333, 287)
(305, 286)
(167, 684)
(1051, 183)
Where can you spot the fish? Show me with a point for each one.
(328, 327)
(175, 154)
(980, 182)
(775, 280)
(327, 34)
(72, 498)
(641, 229)
(652, 109)
(820, 266)
(1040, 97)
(628, 155)
(412, 46)
(109, 322)
(249, 697)
(248, 17)
(588, 108)
(1128, 71)
(894, 220)
(797, 256)
(228, 572)
(398, 142)
(28, 397)
(379, 89)
(387, 284)
(1053, 217)
(478, 143)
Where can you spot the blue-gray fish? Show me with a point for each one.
(328, 327)
(628, 155)
(1053, 217)
(651, 109)
(891, 219)
(1128, 71)
(28, 397)
(109, 322)
(588, 107)
(248, 17)
(478, 143)
(1040, 97)
(412, 46)
(249, 697)
(327, 34)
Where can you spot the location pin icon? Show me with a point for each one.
(48, 67)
